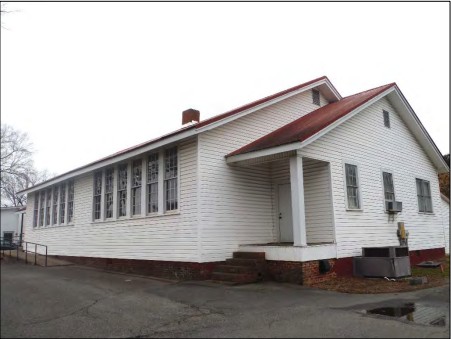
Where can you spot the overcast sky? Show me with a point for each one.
(85, 80)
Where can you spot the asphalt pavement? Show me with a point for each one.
(79, 302)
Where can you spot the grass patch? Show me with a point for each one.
(435, 272)
(357, 285)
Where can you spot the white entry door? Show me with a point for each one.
(285, 216)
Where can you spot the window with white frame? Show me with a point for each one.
(97, 195)
(109, 182)
(36, 209)
(62, 203)
(41, 208)
(352, 186)
(424, 196)
(122, 190)
(55, 206)
(48, 206)
(152, 183)
(136, 186)
(389, 189)
(170, 179)
(70, 202)
(129, 183)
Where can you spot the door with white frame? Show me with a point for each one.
(285, 215)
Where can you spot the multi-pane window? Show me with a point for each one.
(136, 186)
(352, 186)
(122, 190)
(41, 208)
(424, 196)
(152, 183)
(109, 175)
(62, 203)
(48, 199)
(97, 194)
(386, 118)
(170, 179)
(36, 209)
(55, 206)
(70, 202)
(389, 190)
(315, 97)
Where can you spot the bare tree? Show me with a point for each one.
(12, 184)
(17, 171)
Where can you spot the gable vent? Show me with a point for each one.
(386, 118)
(315, 97)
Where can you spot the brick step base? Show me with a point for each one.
(236, 269)
(243, 268)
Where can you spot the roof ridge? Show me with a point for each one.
(368, 90)
(345, 105)
(257, 102)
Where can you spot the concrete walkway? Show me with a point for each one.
(32, 258)
(75, 301)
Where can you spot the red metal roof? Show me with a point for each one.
(185, 128)
(308, 125)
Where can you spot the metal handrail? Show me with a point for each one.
(20, 244)
(35, 251)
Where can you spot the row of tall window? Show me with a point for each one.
(140, 187)
(353, 190)
(54, 205)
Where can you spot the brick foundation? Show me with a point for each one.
(305, 273)
(164, 269)
(426, 255)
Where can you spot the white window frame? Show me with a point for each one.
(359, 186)
(127, 191)
(48, 206)
(430, 191)
(94, 195)
(42, 198)
(132, 214)
(70, 201)
(55, 211)
(104, 206)
(36, 210)
(165, 210)
(144, 188)
(153, 182)
(383, 186)
(64, 184)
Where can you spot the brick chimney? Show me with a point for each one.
(190, 115)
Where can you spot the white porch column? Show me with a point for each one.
(297, 201)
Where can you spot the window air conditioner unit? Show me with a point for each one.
(394, 206)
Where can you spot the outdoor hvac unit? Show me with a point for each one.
(390, 261)
(394, 206)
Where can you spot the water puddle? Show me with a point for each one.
(412, 312)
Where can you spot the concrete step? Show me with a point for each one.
(235, 269)
(249, 255)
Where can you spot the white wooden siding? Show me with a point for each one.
(445, 220)
(236, 202)
(365, 140)
(318, 204)
(167, 237)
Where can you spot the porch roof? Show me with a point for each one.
(312, 123)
